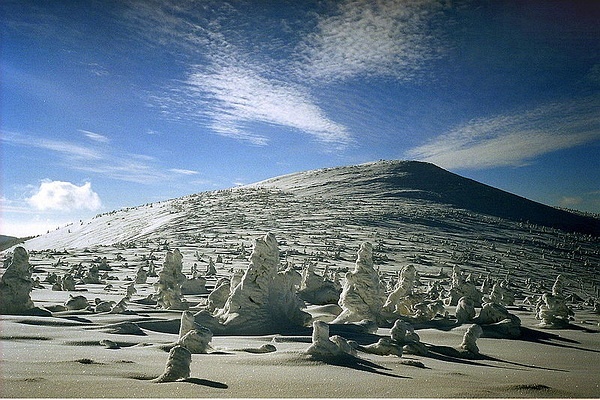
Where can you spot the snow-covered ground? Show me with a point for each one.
(318, 217)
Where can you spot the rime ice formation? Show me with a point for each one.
(195, 285)
(103, 306)
(16, 284)
(317, 289)
(403, 334)
(558, 287)
(501, 295)
(384, 347)
(170, 279)
(211, 270)
(76, 303)
(141, 276)
(218, 297)
(192, 336)
(427, 310)
(362, 294)
(323, 346)
(401, 300)
(462, 287)
(496, 321)
(469, 344)
(465, 310)
(553, 311)
(552, 308)
(178, 365)
(264, 301)
(92, 275)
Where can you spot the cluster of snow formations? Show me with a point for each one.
(462, 286)
(265, 299)
(552, 309)
(317, 289)
(362, 292)
(16, 284)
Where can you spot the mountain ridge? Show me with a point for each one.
(405, 195)
(406, 179)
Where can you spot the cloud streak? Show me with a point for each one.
(98, 158)
(275, 77)
(238, 96)
(514, 140)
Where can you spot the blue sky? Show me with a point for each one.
(110, 104)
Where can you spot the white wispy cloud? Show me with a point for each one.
(96, 137)
(386, 37)
(238, 96)
(70, 150)
(183, 171)
(65, 196)
(99, 158)
(240, 76)
(516, 139)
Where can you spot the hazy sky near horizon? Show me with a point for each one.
(110, 104)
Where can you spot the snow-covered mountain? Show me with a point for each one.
(412, 212)
(382, 194)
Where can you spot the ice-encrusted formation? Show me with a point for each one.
(16, 284)
(501, 295)
(403, 334)
(195, 285)
(192, 336)
(317, 289)
(462, 287)
(552, 308)
(178, 365)
(558, 286)
(168, 287)
(402, 300)
(553, 311)
(218, 297)
(92, 275)
(496, 321)
(141, 276)
(362, 293)
(384, 347)
(324, 346)
(77, 303)
(469, 344)
(264, 301)
(465, 310)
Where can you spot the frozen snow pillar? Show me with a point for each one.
(170, 279)
(362, 295)
(323, 346)
(178, 365)
(16, 284)
(264, 301)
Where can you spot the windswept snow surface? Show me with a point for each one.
(124, 225)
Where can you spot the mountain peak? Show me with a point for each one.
(428, 182)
